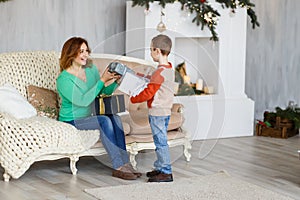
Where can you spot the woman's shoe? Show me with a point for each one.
(135, 172)
(124, 173)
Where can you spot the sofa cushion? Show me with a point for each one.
(148, 137)
(44, 100)
(126, 128)
(14, 104)
(139, 123)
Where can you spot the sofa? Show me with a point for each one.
(40, 136)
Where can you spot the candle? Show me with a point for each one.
(199, 84)
(186, 79)
(208, 89)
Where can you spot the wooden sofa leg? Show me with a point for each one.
(6, 176)
(73, 161)
(132, 153)
(186, 147)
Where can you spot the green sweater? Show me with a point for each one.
(77, 95)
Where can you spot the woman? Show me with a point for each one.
(78, 84)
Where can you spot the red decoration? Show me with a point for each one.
(262, 123)
(202, 1)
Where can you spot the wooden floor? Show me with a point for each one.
(267, 162)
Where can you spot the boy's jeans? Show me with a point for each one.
(159, 126)
(111, 135)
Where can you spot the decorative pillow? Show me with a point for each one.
(13, 103)
(44, 101)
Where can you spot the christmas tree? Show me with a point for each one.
(206, 15)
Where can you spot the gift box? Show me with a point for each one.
(119, 68)
(107, 105)
(280, 128)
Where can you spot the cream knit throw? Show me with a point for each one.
(22, 142)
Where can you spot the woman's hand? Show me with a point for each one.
(107, 76)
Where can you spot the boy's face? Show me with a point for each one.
(154, 53)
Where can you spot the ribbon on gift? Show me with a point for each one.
(102, 106)
(115, 105)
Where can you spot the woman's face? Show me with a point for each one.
(82, 56)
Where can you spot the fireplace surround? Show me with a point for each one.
(227, 112)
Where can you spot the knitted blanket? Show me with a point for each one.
(22, 142)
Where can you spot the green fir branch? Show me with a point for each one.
(205, 14)
(289, 113)
(143, 3)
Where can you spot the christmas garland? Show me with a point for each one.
(290, 113)
(3, 0)
(205, 14)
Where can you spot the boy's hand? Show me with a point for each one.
(117, 77)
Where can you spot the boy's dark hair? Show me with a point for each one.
(163, 42)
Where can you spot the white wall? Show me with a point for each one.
(273, 55)
(272, 59)
(47, 24)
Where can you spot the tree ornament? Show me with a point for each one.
(232, 13)
(147, 11)
(161, 27)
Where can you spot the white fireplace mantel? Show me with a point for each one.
(228, 112)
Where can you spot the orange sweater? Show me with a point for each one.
(159, 92)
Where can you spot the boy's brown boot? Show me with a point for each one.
(152, 173)
(161, 177)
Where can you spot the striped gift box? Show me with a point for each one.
(112, 104)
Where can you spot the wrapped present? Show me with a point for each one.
(107, 105)
(119, 68)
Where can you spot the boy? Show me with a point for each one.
(159, 96)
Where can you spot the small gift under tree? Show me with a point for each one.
(282, 123)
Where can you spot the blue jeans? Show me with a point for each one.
(159, 127)
(111, 135)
